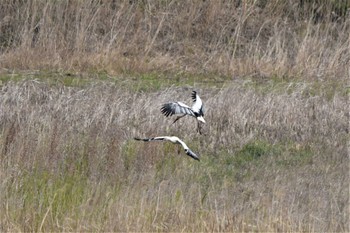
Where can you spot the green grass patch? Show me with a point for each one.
(5, 78)
(283, 154)
(41, 193)
(235, 166)
(154, 81)
(239, 165)
(252, 151)
(295, 155)
(280, 85)
(129, 152)
(137, 82)
(49, 77)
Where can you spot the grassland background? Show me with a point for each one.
(80, 79)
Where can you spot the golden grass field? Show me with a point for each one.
(80, 79)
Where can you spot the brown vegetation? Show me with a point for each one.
(306, 38)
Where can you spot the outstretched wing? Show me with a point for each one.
(173, 108)
(149, 139)
(198, 104)
(174, 140)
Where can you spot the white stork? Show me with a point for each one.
(174, 140)
(196, 111)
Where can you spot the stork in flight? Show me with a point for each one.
(175, 108)
(174, 140)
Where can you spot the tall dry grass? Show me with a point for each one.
(306, 38)
(274, 161)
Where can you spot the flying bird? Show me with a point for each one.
(175, 108)
(174, 140)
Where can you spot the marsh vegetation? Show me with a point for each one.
(80, 79)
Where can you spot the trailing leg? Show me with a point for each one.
(179, 118)
(199, 128)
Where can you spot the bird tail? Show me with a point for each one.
(194, 96)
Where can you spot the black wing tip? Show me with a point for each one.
(166, 110)
(142, 139)
(192, 155)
